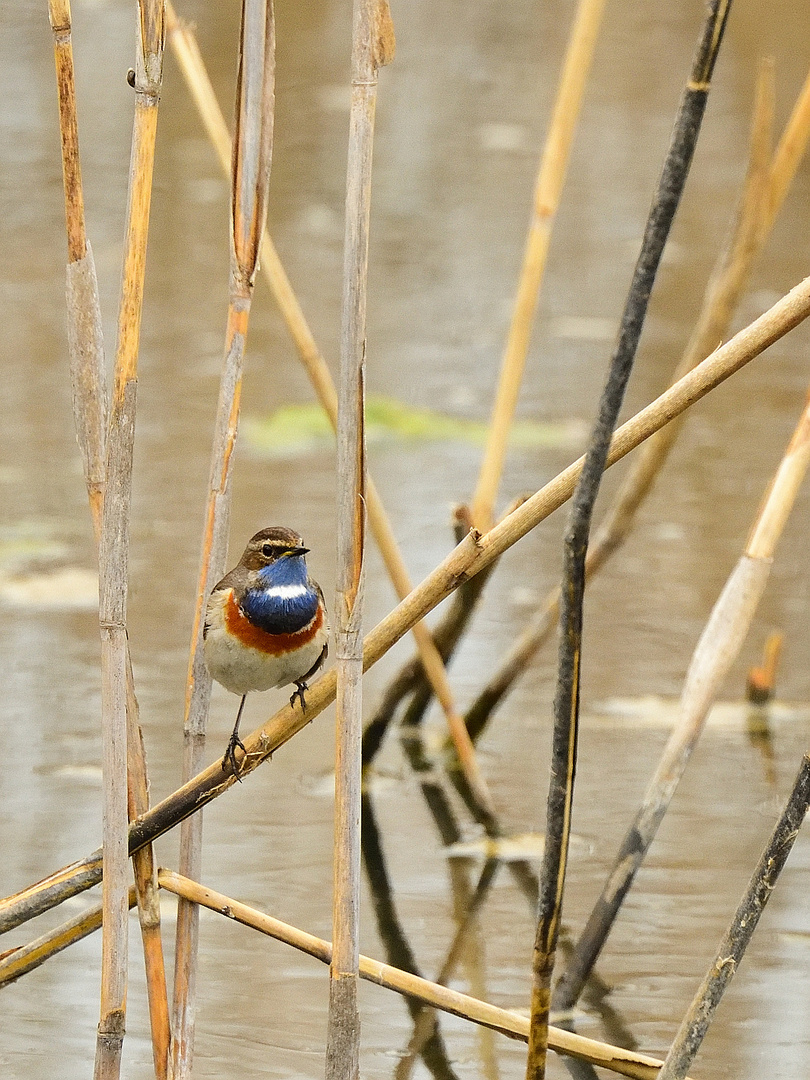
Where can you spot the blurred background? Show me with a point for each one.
(460, 121)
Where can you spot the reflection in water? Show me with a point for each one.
(398, 950)
(461, 116)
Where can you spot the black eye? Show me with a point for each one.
(267, 550)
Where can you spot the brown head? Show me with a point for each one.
(269, 545)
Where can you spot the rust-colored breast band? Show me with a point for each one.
(272, 644)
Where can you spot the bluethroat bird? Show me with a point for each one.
(265, 624)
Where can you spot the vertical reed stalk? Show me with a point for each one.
(90, 409)
(114, 549)
(550, 180)
(566, 703)
(372, 45)
(735, 941)
(716, 650)
(250, 176)
(188, 55)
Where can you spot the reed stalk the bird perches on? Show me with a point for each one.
(470, 557)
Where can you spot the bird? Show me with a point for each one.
(265, 624)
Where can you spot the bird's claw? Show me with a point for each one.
(300, 687)
(229, 757)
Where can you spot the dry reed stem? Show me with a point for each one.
(735, 941)
(616, 1059)
(550, 180)
(372, 34)
(718, 647)
(113, 558)
(25, 958)
(791, 149)
(90, 410)
(184, 43)
(250, 175)
(85, 342)
(471, 556)
(728, 279)
(59, 15)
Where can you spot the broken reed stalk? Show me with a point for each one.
(25, 958)
(566, 703)
(114, 548)
(250, 173)
(469, 558)
(548, 189)
(732, 948)
(90, 411)
(184, 43)
(614, 1058)
(146, 889)
(85, 342)
(716, 650)
(728, 279)
(372, 46)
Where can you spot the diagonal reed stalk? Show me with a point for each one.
(114, 547)
(736, 939)
(757, 214)
(470, 557)
(25, 958)
(512, 1024)
(184, 44)
(566, 702)
(716, 650)
(90, 410)
(252, 152)
(372, 46)
(548, 189)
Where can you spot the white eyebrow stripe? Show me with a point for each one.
(286, 592)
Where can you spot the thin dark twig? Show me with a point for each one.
(732, 948)
(566, 705)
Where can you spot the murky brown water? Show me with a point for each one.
(460, 118)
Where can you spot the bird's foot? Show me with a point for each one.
(229, 757)
(300, 687)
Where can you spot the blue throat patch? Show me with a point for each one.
(281, 614)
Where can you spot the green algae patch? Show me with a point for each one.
(300, 429)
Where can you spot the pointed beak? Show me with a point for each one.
(301, 551)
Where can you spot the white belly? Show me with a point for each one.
(242, 669)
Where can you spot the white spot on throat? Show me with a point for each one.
(286, 592)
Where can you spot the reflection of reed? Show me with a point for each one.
(468, 943)
(396, 945)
